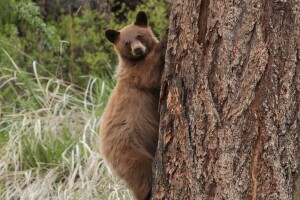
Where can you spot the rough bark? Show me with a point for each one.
(230, 118)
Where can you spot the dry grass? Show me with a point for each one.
(49, 139)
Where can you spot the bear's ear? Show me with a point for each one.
(112, 35)
(141, 19)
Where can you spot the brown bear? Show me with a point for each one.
(129, 126)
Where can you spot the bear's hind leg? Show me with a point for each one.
(138, 174)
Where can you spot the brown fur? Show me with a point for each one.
(129, 128)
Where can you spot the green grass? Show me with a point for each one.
(49, 138)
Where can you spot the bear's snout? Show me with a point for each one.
(138, 51)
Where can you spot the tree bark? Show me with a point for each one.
(230, 96)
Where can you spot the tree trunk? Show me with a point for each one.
(230, 97)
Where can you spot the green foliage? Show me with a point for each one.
(3, 138)
(47, 151)
(73, 45)
(36, 34)
(156, 11)
(88, 51)
(25, 32)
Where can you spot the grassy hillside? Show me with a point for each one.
(49, 138)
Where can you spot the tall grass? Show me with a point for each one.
(49, 138)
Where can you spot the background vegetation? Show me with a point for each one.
(55, 77)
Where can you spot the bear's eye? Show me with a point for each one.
(139, 37)
(127, 43)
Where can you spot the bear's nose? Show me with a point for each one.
(138, 50)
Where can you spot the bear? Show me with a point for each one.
(130, 122)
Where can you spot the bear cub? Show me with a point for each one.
(130, 122)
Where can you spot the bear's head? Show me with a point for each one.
(135, 41)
